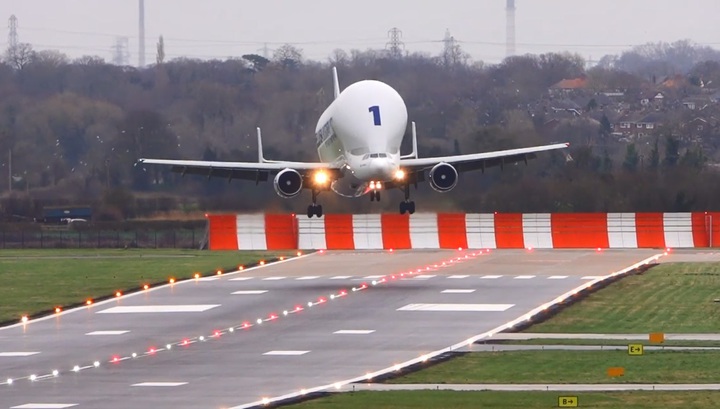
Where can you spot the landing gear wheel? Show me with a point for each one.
(314, 210)
(374, 195)
(377, 195)
(408, 207)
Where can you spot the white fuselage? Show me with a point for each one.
(362, 129)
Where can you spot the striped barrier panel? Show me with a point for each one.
(460, 230)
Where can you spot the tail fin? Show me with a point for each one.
(261, 157)
(336, 83)
(414, 153)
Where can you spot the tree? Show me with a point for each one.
(258, 61)
(288, 56)
(20, 56)
(605, 127)
(654, 156)
(160, 57)
(672, 151)
(632, 159)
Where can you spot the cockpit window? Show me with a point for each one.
(374, 155)
(383, 155)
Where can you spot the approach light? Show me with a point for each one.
(321, 177)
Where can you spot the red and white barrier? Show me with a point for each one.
(459, 230)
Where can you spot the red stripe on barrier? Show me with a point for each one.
(579, 230)
(281, 232)
(339, 232)
(222, 232)
(395, 231)
(650, 230)
(701, 226)
(452, 232)
(509, 231)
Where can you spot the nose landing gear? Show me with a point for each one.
(375, 191)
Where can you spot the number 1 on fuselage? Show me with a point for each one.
(376, 114)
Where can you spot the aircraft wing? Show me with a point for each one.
(257, 171)
(482, 161)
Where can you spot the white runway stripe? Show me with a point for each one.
(273, 278)
(524, 277)
(250, 292)
(308, 278)
(158, 308)
(208, 279)
(557, 277)
(16, 354)
(490, 277)
(591, 277)
(107, 332)
(372, 277)
(457, 291)
(340, 277)
(425, 276)
(241, 278)
(161, 384)
(457, 307)
(286, 353)
(44, 406)
(355, 331)
(458, 276)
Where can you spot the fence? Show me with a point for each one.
(175, 238)
(460, 230)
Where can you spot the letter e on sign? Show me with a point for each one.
(635, 349)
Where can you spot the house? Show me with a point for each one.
(567, 86)
(638, 125)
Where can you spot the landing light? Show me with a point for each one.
(321, 177)
(399, 174)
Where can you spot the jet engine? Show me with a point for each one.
(443, 177)
(288, 183)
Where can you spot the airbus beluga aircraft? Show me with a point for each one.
(358, 141)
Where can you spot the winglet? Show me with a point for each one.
(414, 154)
(336, 83)
(261, 158)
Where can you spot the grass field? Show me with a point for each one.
(513, 400)
(607, 342)
(672, 298)
(38, 280)
(572, 367)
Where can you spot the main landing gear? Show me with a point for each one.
(407, 205)
(314, 209)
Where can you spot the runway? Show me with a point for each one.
(343, 335)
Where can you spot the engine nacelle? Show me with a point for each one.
(288, 183)
(443, 177)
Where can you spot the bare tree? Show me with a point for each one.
(20, 55)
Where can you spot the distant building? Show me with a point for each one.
(63, 214)
(567, 86)
(638, 126)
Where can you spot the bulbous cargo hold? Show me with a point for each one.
(288, 183)
(443, 177)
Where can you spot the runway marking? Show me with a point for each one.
(107, 332)
(458, 276)
(591, 277)
(524, 277)
(458, 291)
(158, 308)
(208, 279)
(308, 278)
(340, 277)
(273, 278)
(160, 384)
(355, 331)
(457, 307)
(45, 406)
(373, 277)
(250, 292)
(491, 277)
(557, 277)
(286, 353)
(16, 354)
(425, 276)
(241, 278)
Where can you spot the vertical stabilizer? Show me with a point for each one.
(261, 157)
(336, 83)
(414, 154)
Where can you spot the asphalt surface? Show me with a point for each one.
(385, 324)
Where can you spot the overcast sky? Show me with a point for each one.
(221, 28)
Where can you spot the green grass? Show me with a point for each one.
(38, 280)
(607, 342)
(513, 400)
(572, 367)
(672, 298)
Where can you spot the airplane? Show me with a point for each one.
(358, 141)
